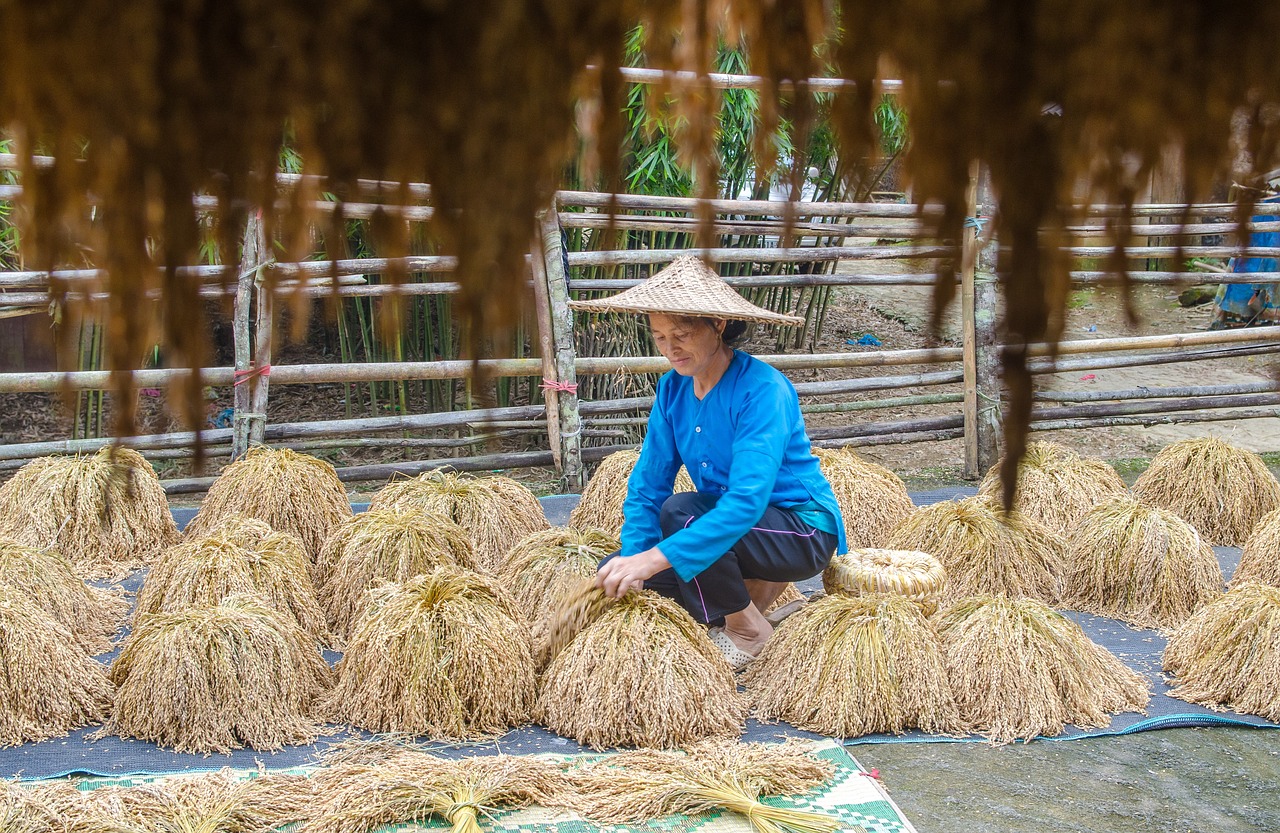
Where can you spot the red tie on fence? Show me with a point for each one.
(242, 376)
(570, 388)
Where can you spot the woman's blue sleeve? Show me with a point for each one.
(652, 481)
(759, 442)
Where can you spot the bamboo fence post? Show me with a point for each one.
(551, 286)
(978, 310)
(242, 338)
(264, 325)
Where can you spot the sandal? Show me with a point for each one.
(737, 658)
(775, 618)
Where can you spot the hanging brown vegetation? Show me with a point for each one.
(601, 504)
(849, 666)
(643, 673)
(917, 576)
(92, 615)
(1221, 490)
(205, 571)
(1057, 486)
(406, 786)
(106, 512)
(1227, 655)
(384, 545)
(983, 549)
(290, 492)
(873, 500)
(547, 566)
(1260, 557)
(48, 684)
(642, 785)
(497, 512)
(212, 679)
(1144, 566)
(446, 654)
(1019, 669)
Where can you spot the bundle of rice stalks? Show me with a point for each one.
(93, 616)
(643, 673)
(205, 571)
(1221, 490)
(873, 500)
(1019, 669)
(24, 810)
(983, 549)
(107, 512)
(497, 512)
(1227, 655)
(384, 545)
(212, 679)
(917, 576)
(446, 654)
(290, 492)
(1057, 486)
(546, 566)
(601, 504)
(847, 666)
(48, 684)
(1144, 566)
(411, 786)
(1260, 557)
(639, 786)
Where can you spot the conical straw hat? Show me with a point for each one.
(686, 287)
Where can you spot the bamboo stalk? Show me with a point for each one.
(1154, 393)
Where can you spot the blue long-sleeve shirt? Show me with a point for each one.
(744, 440)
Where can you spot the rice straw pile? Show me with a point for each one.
(847, 666)
(48, 684)
(212, 679)
(601, 504)
(290, 492)
(1260, 557)
(917, 576)
(1019, 669)
(1227, 655)
(873, 500)
(497, 512)
(446, 654)
(106, 513)
(1057, 486)
(408, 786)
(1221, 490)
(204, 572)
(983, 549)
(638, 786)
(1144, 566)
(24, 810)
(643, 673)
(93, 616)
(384, 545)
(546, 566)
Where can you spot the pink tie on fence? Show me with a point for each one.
(570, 388)
(242, 376)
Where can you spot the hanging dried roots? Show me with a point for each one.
(600, 506)
(1221, 490)
(1057, 486)
(849, 666)
(446, 654)
(212, 679)
(984, 550)
(1019, 669)
(93, 616)
(873, 500)
(290, 492)
(384, 545)
(497, 512)
(641, 674)
(549, 566)
(106, 513)
(1144, 566)
(1227, 655)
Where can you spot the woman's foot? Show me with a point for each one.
(748, 629)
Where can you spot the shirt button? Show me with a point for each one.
(704, 465)
(724, 488)
(698, 429)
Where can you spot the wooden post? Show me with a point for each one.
(978, 311)
(551, 288)
(248, 394)
(264, 332)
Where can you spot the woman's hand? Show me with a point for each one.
(623, 574)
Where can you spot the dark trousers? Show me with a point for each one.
(780, 547)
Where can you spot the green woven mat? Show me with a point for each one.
(851, 796)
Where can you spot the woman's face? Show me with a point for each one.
(688, 343)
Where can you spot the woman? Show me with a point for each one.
(764, 514)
